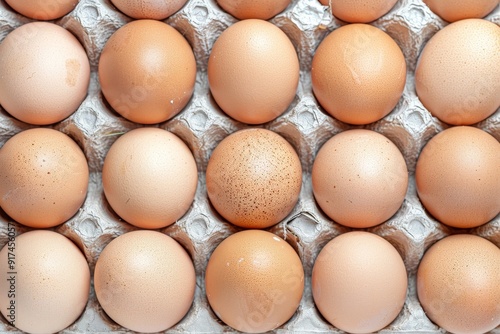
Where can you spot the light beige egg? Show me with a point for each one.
(254, 178)
(359, 282)
(458, 72)
(458, 177)
(45, 73)
(43, 9)
(253, 71)
(359, 11)
(359, 178)
(149, 177)
(256, 9)
(145, 281)
(358, 74)
(43, 177)
(455, 10)
(254, 281)
(147, 71)
(46, 284)
(149, 9)
(458, 282)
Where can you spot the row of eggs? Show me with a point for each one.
(254, 281)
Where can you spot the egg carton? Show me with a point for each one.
(202, 125)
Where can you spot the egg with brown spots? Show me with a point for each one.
(149, 9)
(359, 11)
(145, 281)
(43, 177)
(43, 9)
(256, 9)
(359, 178)
(254, 281)
(45, 73)
(458, 282)
(254, 178)
(454, 10)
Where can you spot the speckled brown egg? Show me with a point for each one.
(253, 71)
(454, 10)
(458, 73)
(256, 9)
(359, 282)
(254, 281)
(458, 284)
(46, 284)
(359, 178)
(43, 177)
(149, 177)
(359, 11)
(149, 9)
(43, 9)
(147, 71)
(254, 178)
(358, 74)
(44, 73)
(458, 177)
(145, 281)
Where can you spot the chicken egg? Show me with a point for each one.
(254, 178)
(45, 281)
(358, 74)
(43, 9)
(253, 71)
(458, 282)
(458, 176)
(145, 281)
(254, 281)
(359, 178)
(45, 73)
(458, 73)
(359, 282)
(455, 10)
(256, 9)
(149, 9)
(147, 71)
(359, 11)
(43, 177)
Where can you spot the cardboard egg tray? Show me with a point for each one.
(202, 125)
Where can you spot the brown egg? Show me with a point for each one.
(454, 10)
(149, 177)
(359, 11)
(359, 282)
(45, 285)
(257, 9)
(145, 281)
(147, 71)
(45, 73)
(43, 9)
(254, 178)
(458, 72)
(358, 74)
(458, 284)
(149, 9)
(254, 281)
(43, 177)
(359, 178)
(253, 71)
(458, 177)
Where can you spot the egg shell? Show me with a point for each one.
(257, 9)
(43, 177)
(147, 71)
(455, 10)
(359, 282)
(43, 9)
(45, 73)
(264, 87)
(149, 9)
(359, 178)
(359, 11)
(458, 284)
(254, 178)
(149, 177)
(145, 281)
(458, 177)
(254, 281)
(50, 282)
(358, 74)
(458, 72)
